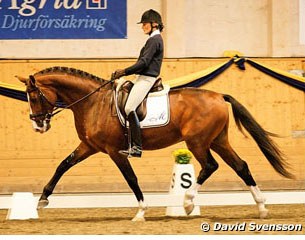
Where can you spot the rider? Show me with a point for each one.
(147, 68)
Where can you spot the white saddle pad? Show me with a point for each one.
(158, 109)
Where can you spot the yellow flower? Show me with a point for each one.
(182, 156)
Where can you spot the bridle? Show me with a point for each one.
(43, 98)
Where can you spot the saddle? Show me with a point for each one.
(123, 93)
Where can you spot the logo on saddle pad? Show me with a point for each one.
(152, 112)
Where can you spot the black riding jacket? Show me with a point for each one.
(150, 59)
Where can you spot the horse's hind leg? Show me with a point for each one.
(208, 167)
(79, 154)
(222, 147)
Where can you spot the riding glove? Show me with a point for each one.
(119, 73)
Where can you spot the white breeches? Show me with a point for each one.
(141, 87)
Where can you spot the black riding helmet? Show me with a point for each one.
(152, 16)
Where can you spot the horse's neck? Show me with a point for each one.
(84, 97)
(71, 89)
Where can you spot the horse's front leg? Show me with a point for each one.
(80, 153)
(126, 169)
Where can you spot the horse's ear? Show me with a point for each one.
(32, 80)
(22, 79)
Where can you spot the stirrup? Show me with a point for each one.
(132, 152)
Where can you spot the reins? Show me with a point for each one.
(80, 100)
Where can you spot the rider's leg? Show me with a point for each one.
(141, 87)
(137, 94)
(135, 149)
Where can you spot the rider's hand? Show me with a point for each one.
(118, 73)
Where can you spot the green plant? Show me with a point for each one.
(182, 156)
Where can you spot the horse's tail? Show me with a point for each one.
(262, 138)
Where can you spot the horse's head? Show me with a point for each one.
(41, 104)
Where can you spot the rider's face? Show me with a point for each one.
(146, 28)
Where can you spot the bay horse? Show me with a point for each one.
(198, 117)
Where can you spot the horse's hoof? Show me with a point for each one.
(138, 219)
(42, 203)
(188, 203)
(263, 213)
(188, 207)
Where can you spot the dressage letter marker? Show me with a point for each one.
(23, 206)
(183, 178)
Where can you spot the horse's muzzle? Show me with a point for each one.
(41, 126)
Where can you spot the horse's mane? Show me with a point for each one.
(71, 71)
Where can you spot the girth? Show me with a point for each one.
(123, 94)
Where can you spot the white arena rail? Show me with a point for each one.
(116, 200)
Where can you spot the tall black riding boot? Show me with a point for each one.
(135, 144)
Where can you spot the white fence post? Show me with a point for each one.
(23, 206)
